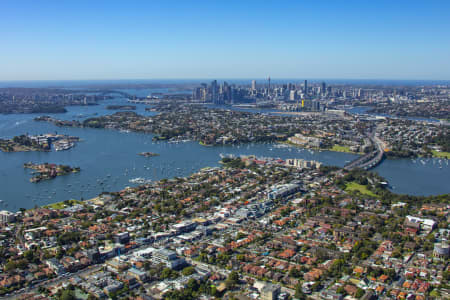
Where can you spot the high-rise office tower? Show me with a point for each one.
(197, 93)
(324, 88)
(253, 85)
(306, 87)
(214, 91)
(293, 95)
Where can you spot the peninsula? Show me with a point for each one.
(18, 100)
(22, 143)
(42, 142)
(333, 130)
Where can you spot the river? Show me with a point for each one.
(109, 159)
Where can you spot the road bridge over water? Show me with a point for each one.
(109, 92)
(369, 160)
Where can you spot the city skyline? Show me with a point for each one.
(170, 40)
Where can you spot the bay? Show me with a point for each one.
(109, 159)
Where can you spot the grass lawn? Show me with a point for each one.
(206, 145)
(353, 186)
(340, 148)
(61, 205)
(441, 154)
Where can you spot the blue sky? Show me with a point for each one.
(56, 40)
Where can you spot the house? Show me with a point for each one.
(350, 289)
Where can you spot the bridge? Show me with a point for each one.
(369, 160)
(109, 92)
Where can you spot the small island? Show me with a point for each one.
(48, 171)
(148, 154)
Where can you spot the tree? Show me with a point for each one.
(359, 293)
(67, 295)
(42, 290)
(10, 265)
(188, 271)
(240, 257)
(341, 290)
(435, 294)
(168, 273)
(232, 279)
(91, 297)
(29, 255)
(299, 292)
(446, 275)
(294, 272)
(337, 267)
(397, 253)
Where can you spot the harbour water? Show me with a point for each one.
(109, 159)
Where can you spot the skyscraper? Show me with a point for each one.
(197, 93)
(323, 90)
(253, 85)
(306, 87)
(214, 91)
(293, 95)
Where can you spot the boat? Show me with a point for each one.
(140, 180)
(63, 145)
(148, 154)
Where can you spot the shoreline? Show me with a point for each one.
(318, 149)
(297, 113)
(351, 187)
(205, 145)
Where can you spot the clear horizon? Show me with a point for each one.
(168, 40)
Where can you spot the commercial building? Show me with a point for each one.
(168, 258)
(270, 292)
(6, 217)
(302, 163)
(284, 190)
(441, 250)
(122, 238)
(185, 226)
